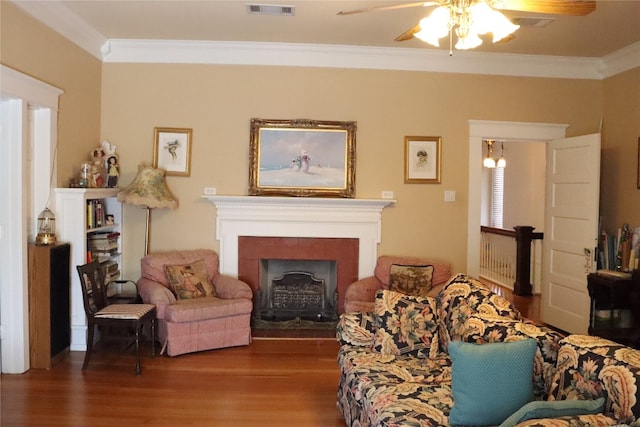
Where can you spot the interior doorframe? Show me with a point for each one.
(485, 129)
(28, 137)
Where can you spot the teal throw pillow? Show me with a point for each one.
(489, 382)
(554, 409)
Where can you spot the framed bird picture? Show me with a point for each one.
(172, 151)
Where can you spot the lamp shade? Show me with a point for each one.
(148, 189)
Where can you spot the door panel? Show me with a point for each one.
(571, 230)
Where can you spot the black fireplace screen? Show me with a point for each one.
(298, 294)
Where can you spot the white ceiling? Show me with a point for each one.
(601, 44)
(614, 24)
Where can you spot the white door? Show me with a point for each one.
(571, 231)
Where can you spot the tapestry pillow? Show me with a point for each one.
(554, 409)
(489, 382)
(189, 280)
(411, 279)
(407, 325)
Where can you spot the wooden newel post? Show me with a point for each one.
(524, 236)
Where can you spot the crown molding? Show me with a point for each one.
(358, 57)
(622, 60)
(57, 16)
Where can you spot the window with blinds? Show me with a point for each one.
(497, 197)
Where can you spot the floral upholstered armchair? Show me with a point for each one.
(197, 307)
(360, 295)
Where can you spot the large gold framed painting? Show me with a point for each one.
(302, 157)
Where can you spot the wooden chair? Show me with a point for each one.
(100, 313)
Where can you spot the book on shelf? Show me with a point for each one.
(619, 251)
(111, 270)
(104, 256)
(96, 213)
(101, 235)
(106, 245)
(103, 241)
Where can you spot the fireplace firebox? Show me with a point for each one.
(296, 288)
(298, 294)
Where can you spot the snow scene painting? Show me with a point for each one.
(302, 158)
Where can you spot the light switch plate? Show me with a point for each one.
(449, 196)
(209, 191)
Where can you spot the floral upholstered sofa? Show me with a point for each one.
(398, 365)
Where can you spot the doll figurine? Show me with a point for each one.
(113, 171)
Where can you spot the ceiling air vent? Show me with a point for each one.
(270, 9)
(532, 21)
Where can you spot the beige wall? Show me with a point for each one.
(218, 101)
(524, 186)
(619, 195)
(30, 47)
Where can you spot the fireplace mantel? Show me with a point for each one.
(298, 217)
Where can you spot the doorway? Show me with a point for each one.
(499, 130)
(28, 119)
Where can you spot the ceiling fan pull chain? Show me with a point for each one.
(450, 42)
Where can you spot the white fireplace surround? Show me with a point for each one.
(258, 216)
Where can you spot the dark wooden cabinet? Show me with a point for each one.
(615, 308)
(49, 304)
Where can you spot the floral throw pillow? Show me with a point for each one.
(189, 280)
(407, 325)
(411, 279)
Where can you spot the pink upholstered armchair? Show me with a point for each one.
(203, 323)
(360, 295)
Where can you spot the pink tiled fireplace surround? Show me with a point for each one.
(252, 228)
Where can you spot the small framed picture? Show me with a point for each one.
(422, 159)
(172, 151)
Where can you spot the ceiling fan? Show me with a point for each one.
(470, 18)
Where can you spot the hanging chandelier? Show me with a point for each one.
(489, 161)
(468, 19)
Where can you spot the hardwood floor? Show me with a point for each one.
(268, 383)
(272, 382)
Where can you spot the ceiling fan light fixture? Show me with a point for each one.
(469, 41)
(469, 19)
(435, 26)
(499, 25)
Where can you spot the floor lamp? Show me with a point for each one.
(150, 191)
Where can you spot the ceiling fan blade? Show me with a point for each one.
(506, 39)
(390, 7)
(408, 35)
(560, 7)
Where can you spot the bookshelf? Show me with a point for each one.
(82, 220)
